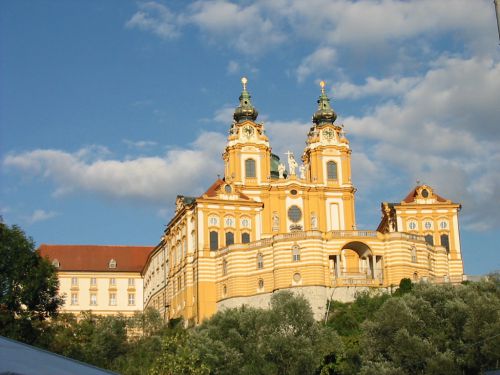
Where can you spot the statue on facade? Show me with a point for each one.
(302, 171)
(292, 164)
(314, 221)
(276, 221)
(281, 170)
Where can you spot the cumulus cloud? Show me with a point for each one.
(444, 131)
(374, 86)
(319, 61)
(148, 179)
(156, 18)
(40, 215)
(364, 32)
(246, 28)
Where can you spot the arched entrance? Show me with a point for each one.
(356, 264)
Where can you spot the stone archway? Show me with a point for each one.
(356, 264)
(356, 259)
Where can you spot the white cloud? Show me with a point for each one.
(373, 86)
(246, 28)
(224, 115)
(139, 144)
(40, 215)
(150, 179)
(444, 131)
(156, 18)
(319, 61)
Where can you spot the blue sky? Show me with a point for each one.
(108, 110)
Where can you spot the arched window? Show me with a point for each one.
(331, 170)
(260, 261)
(429, 239)
(214, 240)
(250, 168)
(445, 242)
(245, 237)
(295, 253)
(229, 238)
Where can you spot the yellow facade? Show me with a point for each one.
(103, 293)
(265, 227)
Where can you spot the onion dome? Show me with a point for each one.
(325, 113)
(245, 111)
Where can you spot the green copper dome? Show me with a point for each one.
(245, 111)
(325, 113)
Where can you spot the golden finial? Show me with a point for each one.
(244, 81)
(322, 84)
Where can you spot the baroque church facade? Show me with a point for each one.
(266, 226)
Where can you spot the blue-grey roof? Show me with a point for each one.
(20, 359)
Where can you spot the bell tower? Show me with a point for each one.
(247, 157)
(328, 159)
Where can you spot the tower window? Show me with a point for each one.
(214, 240)
(445, 242)
(331, 170)
(245, 237)
(229, 238)
(250, 168)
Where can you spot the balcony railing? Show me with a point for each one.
(354, 233)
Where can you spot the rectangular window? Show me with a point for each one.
(131, 299)
(93, 299)
(445, 242)
(74, 298)
(112, 299)
(331, 170)
(93, 281)
(112, 281)
(229, 238)
(131, 282)
(74, 281)
(250, 168)
(214, 240)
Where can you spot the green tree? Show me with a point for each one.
(28, 286)
(177, 357)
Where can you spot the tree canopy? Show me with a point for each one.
(28, 286)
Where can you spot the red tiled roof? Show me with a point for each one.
(212, 190)
(97, 257)
(410, 198)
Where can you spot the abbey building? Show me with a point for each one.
(270, 225)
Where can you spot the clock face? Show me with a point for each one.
(248, 131)
(328, 134)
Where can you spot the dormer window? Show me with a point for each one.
(112, 263)
(56, 263)
(228, 189)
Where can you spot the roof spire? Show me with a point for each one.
(245, 111)
(325, 114)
